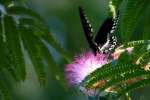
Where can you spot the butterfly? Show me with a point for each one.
(104, 41)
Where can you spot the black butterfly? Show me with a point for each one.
(104, 41)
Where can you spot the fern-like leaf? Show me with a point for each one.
(134, 86)
(123, 78)
(23, 11)
(34, 49)
(108, 73)
(133, 13)
(5, 90)
(14, 47)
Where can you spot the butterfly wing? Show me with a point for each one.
(87, 29)
(104, 38)
(101, 37)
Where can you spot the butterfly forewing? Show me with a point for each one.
(87, 29)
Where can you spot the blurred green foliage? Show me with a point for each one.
(30, 56)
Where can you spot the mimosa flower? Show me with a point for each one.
(83, 66)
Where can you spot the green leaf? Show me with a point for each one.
(144, 58)
(53, 67)
(3, 59)
(146, 28)
(23, 11)
(101, 74)
(5, 2)
(5, 91)
(41, 30)
(136, 43)
(139, 48)
(35, 49)
(36, 25)
(14, 48)
(50, 39)
(125, 57)
(21, 26)
(134, 86)
(124, 77)
(132, 15)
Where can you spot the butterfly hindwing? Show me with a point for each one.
(104, 38)
(101, 37)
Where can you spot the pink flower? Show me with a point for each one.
(83, 65)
